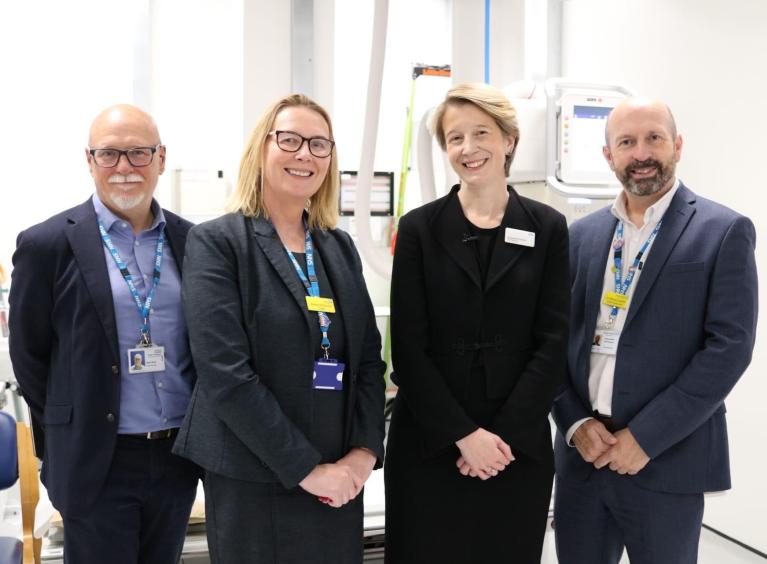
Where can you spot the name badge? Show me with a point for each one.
(605, 341)
(320, 304)
(614, 299)
(328, 375)
(146, 359)
(519, 237)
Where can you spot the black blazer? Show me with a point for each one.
(441, 315)
(64, 348)
(251, 413)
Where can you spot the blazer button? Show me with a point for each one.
(111, 417)
(115, 369)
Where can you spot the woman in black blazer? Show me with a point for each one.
(287, 415)
(479, 322)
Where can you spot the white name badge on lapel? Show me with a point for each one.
(142, 360)
(519, 237)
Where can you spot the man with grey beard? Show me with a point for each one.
(93, 288)
(663, 319)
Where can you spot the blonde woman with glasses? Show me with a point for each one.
(287, 416)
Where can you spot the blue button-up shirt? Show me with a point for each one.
(156, 400)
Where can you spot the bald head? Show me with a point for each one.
(127, 118)
(637, 106)
(642, 147)
(126, 185)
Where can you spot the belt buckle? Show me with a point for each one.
(155, 435)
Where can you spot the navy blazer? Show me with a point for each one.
(688, 337)
(251, 412)
(64, 348)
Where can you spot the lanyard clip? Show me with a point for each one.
(325, 350)
(144, 339)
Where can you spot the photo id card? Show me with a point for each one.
(142, 360)
(605, 341)
(328, 375)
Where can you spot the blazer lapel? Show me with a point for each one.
(675, 220)
(337, 269)
(267, 238)
(598, 249)
(176, 238)
(85, 241)
(448, 225)
(505, 254)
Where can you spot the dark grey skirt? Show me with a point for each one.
(256, 523)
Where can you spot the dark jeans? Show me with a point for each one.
(141, 515)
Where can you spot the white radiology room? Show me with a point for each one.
(206, 70)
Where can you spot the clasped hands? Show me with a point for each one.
(337, 483)
(620, 451)
(483, 454)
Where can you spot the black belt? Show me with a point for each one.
(606, 421)
(153, 435)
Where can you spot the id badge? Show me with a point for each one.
(328, 375)
(614, 299)
(320, 304)
(142, 360)
(605, 341)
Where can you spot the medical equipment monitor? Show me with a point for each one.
(581, 136)
(381, 193)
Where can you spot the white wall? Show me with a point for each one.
(61, 63)
(705, 58)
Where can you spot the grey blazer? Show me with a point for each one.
(251, 413)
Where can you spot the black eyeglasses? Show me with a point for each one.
(291, 142)
(137, 156)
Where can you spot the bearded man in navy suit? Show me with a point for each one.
(93, 288)
(663, 320)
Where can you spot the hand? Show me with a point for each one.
(625, 456)
(484, 452)
(592, 439)
(336, 482)
(360, 462)
(465, 469)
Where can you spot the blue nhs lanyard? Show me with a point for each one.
(623, 287)
(144, 309)
(312, 287)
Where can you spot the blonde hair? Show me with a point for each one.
(488, 99)
(248, 198)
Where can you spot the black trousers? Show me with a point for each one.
(141, 515)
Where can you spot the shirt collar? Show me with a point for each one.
(652, 214)
(108, 218)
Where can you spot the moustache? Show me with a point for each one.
(643, 164)
(123, 178)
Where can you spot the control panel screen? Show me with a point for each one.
(581, 138)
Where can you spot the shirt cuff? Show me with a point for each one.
(573, 428)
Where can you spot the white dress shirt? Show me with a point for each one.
(602, 366)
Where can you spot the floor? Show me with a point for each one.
(713, 550)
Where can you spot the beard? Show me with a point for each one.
(126, 203)
(647, 186)
(121, 200)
